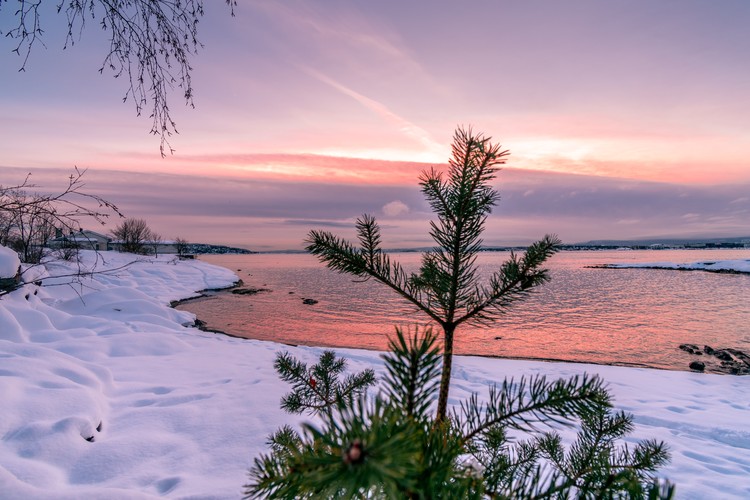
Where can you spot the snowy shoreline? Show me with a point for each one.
(107, 393)
(737, 266)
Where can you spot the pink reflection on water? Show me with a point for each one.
(612, 316)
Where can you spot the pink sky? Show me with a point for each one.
(643, 98)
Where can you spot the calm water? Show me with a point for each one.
(612, 316)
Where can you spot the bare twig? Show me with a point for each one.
(150, 44)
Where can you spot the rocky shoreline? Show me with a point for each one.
(727, 360)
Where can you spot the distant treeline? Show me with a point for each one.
(203, 248)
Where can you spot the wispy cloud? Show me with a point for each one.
(403, 125)
(345, 31)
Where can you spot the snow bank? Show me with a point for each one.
(8, 262)
(106, 393)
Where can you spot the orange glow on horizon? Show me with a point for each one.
(600, 158)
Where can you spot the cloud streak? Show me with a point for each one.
(404, 126)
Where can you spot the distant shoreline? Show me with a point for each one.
(564, 248)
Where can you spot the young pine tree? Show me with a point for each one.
(447, 287)
(390, 446)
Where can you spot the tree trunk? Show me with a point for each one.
(445, 378)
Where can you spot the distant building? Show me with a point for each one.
(84, 238)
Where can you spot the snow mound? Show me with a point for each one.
(9, 262)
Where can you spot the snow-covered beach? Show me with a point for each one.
(107, 392)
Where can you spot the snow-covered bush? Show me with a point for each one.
(9, 269)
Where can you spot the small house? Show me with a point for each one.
(83, 238)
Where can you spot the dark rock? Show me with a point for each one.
(723, 355)
(727, 361)
(291, 293)
(739, 355)
(249, 291)
(498, 338)
(690, 348)
(309, 302)
(203, 326)
(11, 283)
(697, 366)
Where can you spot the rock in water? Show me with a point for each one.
(697, 366)
(249, 291)
(691, 348)
(723, 355)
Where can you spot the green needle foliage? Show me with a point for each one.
(389, 446)
(318, 388)
(447, 287)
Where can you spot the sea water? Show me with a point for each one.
(635, 317)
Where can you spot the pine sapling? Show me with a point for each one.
(447, 288)
(389, 445)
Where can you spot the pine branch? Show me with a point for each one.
(594, 464)
(363, 450)
(340, 255)
(369, 237)
(411, 382)
(317, 388)
(513, 282)
(285, 440)
(528, 402)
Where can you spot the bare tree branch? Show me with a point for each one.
(151, 43)
(29, 219)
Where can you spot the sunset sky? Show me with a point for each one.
(624, 120)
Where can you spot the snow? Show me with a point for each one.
(171, 411)
(737, 266)
(8, 262)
